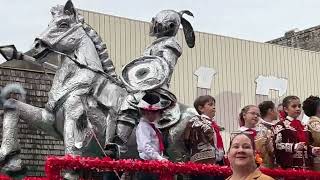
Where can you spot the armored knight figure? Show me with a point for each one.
(153, 71)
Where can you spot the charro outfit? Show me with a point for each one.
(203, 140)
(287, 133)
(264, 143)
(314, 127)
(149, 141)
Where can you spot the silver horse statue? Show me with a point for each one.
(85, 93)
(85, 105)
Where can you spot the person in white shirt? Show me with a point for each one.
(149, 138)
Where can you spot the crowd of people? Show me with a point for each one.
(268, 136)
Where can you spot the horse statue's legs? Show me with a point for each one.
(34, 116)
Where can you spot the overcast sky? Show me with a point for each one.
(258, 20)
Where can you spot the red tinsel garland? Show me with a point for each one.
(54, 165)
(3, 177)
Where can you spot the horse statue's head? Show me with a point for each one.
(66, 33)
(63, 33)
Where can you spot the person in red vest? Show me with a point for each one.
(292, 139)
(202, 136)
(149, 138)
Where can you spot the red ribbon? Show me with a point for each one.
(282, 115)
(297, 125)
(219, 137)
(160, 138)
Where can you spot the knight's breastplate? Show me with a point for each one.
(158, 47)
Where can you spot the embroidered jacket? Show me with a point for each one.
(200, 139)
(285, 140)
(314, 127)
(264, 143)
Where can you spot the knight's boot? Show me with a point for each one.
(124, 131)
(9, 145)
(14, 167)
(125, 124)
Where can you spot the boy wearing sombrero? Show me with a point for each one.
(149, 138)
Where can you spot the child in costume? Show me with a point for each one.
(311, 107)
(149, 138)
(248, 119)
(293, 141)
(265, 135)
(202, 135)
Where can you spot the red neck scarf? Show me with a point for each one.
(254, 132)
(297, 125)
(282, 115)
(159, 136)
(219, 137)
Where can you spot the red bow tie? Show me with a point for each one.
(254, 132)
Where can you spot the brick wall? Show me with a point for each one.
(308, 39)
(35, 144)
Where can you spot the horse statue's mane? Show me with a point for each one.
(101, 48)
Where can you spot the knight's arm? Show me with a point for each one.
(171, 51)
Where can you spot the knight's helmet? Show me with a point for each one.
(167, 23)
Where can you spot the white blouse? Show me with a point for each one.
(147, 142)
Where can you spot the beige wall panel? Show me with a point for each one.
(237, 63)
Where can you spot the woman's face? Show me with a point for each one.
(251, 117)
(241, 152)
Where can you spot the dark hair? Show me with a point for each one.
(265, 106)
(310, 105)
(286, 101)
(202, 100)
(243, 111)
